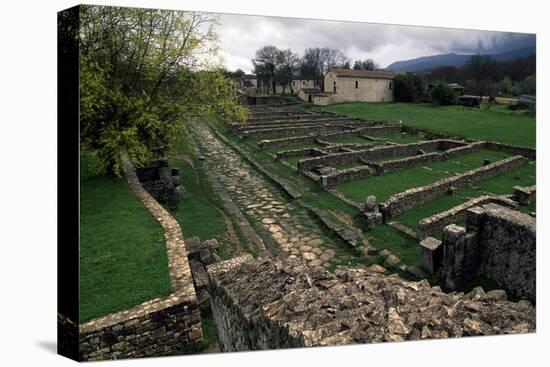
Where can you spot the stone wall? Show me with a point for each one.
(397, 164)
(525, 195)
(368, 89)
(419, 195)
(530, 153)
(497, 243)
(350, 174)
(267, 303)
(373, 154)
(290, 131)
(160, 181)
(314, 152)
(295, 140)
(431, 225)
(161, 326)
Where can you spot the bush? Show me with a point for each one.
(443, 94)
(408, 87)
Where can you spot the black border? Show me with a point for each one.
(68, 181)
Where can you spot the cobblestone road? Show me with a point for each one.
(291, 228)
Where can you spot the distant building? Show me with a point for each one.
(348, 85)
(245, 83)
(457, 88)
(299, 82)
(307, 94)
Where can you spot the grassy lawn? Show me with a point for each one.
(499, 185)
(386, 185)
(197, 214)
(399, 138)
(123, 259)
(349, 140)
(497, 123)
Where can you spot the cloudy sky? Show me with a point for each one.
(242, 35)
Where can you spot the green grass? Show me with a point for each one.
(198, 214)
(497, 123)
(385, 237)
(123, 260)
(386, 185)
(294, 160)
(499, 185)
(349, 140)
(399, 138)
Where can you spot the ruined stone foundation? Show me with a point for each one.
(269, 303)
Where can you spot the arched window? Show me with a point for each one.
(357, 84)
(334, 85)
(390, 85)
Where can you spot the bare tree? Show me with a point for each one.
(316, 62)
(480, 68)
(367, 64)
(287, 65)
(266, 63)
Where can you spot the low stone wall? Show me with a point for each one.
(525, 195)
(431, 225)
(372, 154)
(295, 140)
(296, 121)
(161, 326)
(264, 303)
(453, 152)
(497, 243)
(397, 164)
(314, 152)
(419, 195)
(350, 174)
(381, 130)
(530, 153)
(161, 182)
(290, 131)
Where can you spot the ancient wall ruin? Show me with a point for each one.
(530, 153)
(435, 223)
(416, 196)
(161, 326)
(351, 174)
(376, 153)
(525, 195)
(498, 243)
(160, 181)
(295, 140)
(270, 303)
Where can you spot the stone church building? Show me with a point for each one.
(349, 85)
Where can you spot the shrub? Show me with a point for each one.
(408, 87)
(443, 94)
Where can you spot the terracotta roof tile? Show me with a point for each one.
(352, 73)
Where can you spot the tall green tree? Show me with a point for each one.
(408, 87)
(139, 72)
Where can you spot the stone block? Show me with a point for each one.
(370, 205)
(432, 254)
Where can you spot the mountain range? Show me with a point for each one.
(452, 59)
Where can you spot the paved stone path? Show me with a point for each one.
(289, 225)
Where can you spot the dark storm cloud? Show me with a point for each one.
(242, 35)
